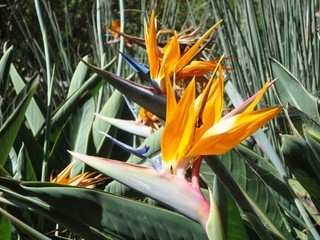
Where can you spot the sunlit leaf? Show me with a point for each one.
(105, 215)
(33, 114)
(291, 91)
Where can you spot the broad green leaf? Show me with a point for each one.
(291, 91)
(233, 224)
(116, 217)
(33, 114)
(5, 63)
(23, 168)
(254, 194)
(112, 108)
(78, 78)
(261, 198)
(315, 147)
(304, 197)
(301, 122)
(4, 173)
(80, 128)
(297, 156)
(145, 97)
(13, 190)
(267, 172)
(33, 152)
(10, 128)
(235, 228)
(63, 112)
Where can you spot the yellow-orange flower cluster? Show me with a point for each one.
(194, 126)
(87, 180)
(170, 61)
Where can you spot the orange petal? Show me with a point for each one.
(61, 178)
(197, 68)
(171, 56)
(192, 52)
(171, 100)
(207, 117)
(179, 131)
(209, 104)
(257, 99)
(228, 133)
(152, 47)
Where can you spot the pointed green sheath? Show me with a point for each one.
(142, 95)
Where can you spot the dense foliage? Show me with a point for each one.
(65, 78)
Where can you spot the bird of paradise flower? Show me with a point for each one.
(194, 128)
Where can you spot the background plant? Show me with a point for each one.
(263, 39)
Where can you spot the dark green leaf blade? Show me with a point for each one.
(121, 217)
(10, 128)
(297, 155)
(5, 63)
(153, 102)
(33, 114)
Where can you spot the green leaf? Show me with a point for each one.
(112, 108)
(10, 128)
(254, 195)
(13, 190)
(261, 198)
(301, 122)
(63, 112)
(23, 167)
(33, 114)
(304, 197)
(315, 147)
(298, 156)
(80, 128)
(233, 224)
(78, 78)
(113, 216)
(269, 175)
(291, 91)
(4, 173)
(33, 152)
(5, 63)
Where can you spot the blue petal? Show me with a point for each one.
(136, 66)
(141, 69)
(137, 152)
